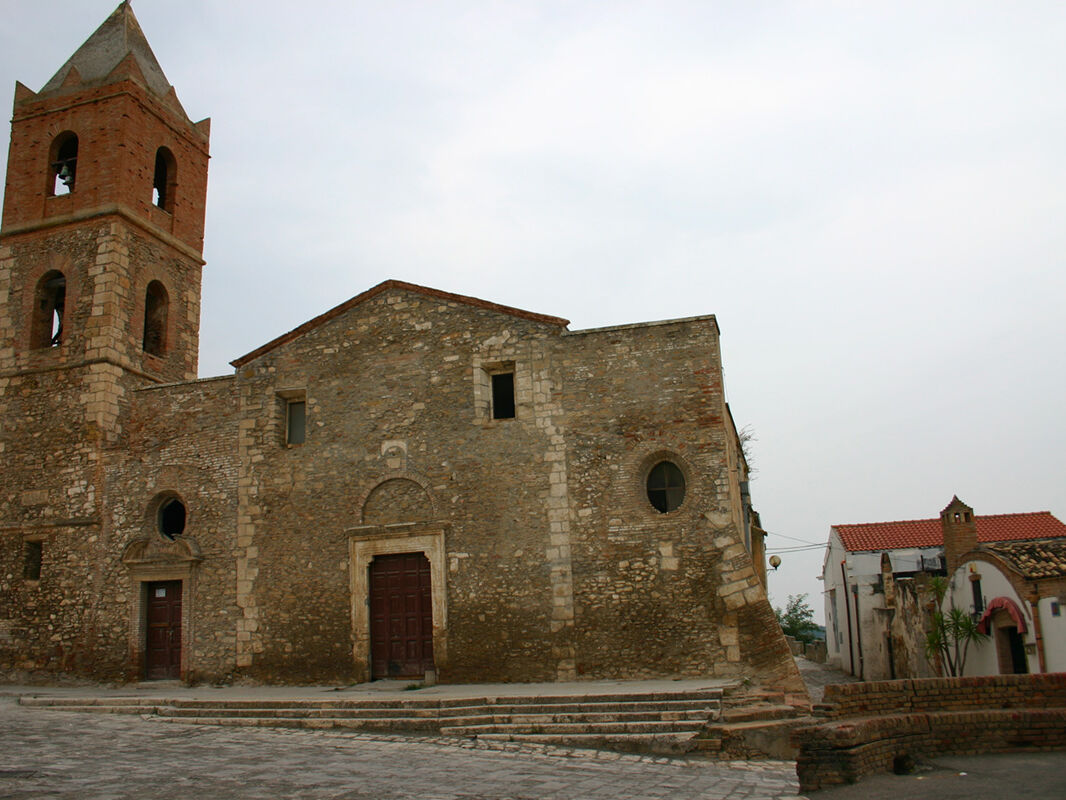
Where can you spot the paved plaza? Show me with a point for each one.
(50, 754)
(53, 754)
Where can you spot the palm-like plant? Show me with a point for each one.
(950, 634)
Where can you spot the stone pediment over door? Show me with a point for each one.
(152, 552)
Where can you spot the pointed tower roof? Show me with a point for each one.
(119, 39)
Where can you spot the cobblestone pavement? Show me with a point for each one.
(817, 676)
(50, 754)
(1003, 776)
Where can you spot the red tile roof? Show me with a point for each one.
(927, 532)
(1035, 560)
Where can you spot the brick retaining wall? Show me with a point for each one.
(871, 726)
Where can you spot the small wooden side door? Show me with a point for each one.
(162, 651)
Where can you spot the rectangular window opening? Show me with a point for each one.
(978, 598)
(503, 395)
(295, 421)
(31, 566)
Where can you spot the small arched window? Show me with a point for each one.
(171, 518)
(666, 486)
(156, 302)
(165, 181)
(49, 307)
(63, 158)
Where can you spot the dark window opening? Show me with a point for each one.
(966, 516)
(156, 303)
(1056, 609)
(296, 421)
(172, 518)
(978, 598)
(666, 486)
(31, 565)
(64, 163)
(503, 395)
(164, 182)
(46, 327)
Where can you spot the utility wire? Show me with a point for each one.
(794, 539)
(795, 549)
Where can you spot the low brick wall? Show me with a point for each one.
(872, 727)
(873, 698)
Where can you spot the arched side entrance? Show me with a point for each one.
(1008, 627)
(397, 576)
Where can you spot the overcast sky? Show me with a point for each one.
(869, 197)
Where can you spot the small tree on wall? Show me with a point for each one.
(797, 620)
(950, 633)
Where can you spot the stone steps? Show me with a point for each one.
(754, 724)
(568, 727)
(403, 724)
(660, 722)
(660, 743)
(757, 712)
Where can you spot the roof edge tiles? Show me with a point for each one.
(878, 536)
(385, 286)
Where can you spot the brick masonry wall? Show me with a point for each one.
(103, 117)
(945, 694)
(871, 725)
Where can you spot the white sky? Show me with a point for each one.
(868, 195)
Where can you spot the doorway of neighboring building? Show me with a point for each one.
(1010, 647)
(162, 650)
(401, 616)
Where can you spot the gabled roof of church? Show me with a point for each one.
(118, 38)
(928, 533)
(385, 286)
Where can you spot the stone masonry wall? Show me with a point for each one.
(390, 392)
(657, 593)
(181, 442)
(61, 407)
(55, 413)
(647, 583)
(557, 565)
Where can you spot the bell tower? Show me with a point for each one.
(100, 262)
(103, 216)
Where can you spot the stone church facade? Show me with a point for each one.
(413, 482)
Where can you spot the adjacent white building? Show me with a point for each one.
(1008, 570)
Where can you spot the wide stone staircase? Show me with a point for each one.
(754, 723)
(650, 722)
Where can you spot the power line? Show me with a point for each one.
(809, 548)
(794, 539)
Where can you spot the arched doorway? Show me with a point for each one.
(1008, 628)
(1010, 646)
